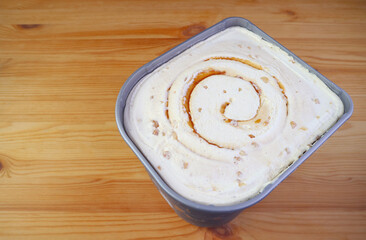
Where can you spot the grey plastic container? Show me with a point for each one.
(209, 215)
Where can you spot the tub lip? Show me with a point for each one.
(152, 65)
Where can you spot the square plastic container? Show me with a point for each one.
(209, 215)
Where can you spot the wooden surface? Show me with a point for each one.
(65, 172)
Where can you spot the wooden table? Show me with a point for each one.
(66, 173)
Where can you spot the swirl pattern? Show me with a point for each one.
(228, 94)
(224, 118)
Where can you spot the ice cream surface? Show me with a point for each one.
(224, 118)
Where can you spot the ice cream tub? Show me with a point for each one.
(214, 212)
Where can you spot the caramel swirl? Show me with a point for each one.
(216, 69)
(196, 80)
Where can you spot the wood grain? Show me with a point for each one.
(65, 172)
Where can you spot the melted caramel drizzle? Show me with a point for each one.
(199, 77)
(166, 111)
(283, 92)
(223, 107)
(222, 111)
(247, 62)
(186, 99)
(256, 88)
(167, 103)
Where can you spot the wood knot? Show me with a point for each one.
(193, 29)
(222, 232)
(290, 13)
(28, 26)
(5, 166)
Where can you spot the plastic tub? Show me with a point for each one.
(209, 215)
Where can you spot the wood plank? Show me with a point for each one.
(249, 225)
(65, 172)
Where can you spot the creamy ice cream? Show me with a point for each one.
(223, 119)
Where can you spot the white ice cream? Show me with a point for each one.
(224, 118)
